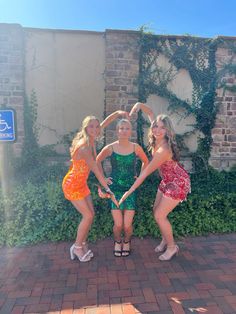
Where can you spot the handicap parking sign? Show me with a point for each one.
(7, 125)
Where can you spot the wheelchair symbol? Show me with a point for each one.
(3, 125)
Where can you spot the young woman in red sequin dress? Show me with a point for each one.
(175, 184)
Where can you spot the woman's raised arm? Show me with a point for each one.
(109, 119)
(145, 109)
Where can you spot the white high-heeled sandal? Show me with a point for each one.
(168, 255)
(90, 252)
(161, 247)
(73, 255)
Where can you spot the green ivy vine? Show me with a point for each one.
(198, 57)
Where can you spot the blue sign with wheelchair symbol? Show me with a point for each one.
(7, 125)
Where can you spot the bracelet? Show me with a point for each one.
(108, 190)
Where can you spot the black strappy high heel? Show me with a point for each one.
(126, 252)
(117, 253)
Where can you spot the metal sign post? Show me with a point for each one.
(7, 134)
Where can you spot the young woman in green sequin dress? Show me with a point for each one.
(123, 156)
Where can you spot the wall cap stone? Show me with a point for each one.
(62, 31)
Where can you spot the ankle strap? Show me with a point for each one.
(172, 246)
(77, 246)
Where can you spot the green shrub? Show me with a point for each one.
(36, 212)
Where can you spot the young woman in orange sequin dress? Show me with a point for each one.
(74, 185)
(175, 184)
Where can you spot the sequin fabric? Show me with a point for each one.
(175, 180)
(123, 176)
(74, 184)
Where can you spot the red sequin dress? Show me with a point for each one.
(175, 180)
(74, 184)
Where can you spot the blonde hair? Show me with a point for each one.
(170, 135)
(121, 121)
(82, 134)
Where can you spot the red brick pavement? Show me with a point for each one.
(42, 279)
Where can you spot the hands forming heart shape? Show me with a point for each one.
(128, 115)
(103, 194)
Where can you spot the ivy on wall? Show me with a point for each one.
(229, 69)
(198, 57)
(33, 155)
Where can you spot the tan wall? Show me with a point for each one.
(65, 68)
(77, 73)
(181, 85)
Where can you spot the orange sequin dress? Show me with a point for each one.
(74, 184)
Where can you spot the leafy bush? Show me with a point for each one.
(37, 210)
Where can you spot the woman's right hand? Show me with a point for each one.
(108, 194)
(112, 197)
(135, 108)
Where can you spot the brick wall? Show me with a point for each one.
(223, 155)
(121, 71)
(122, 68)
(12, 75)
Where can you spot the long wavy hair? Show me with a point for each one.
(170, 135)
(82, 134)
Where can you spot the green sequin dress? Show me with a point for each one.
(123, 176)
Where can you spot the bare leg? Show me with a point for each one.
(84, 226)
(128, 224)
(162, 245)
(118, 223)
(90, 205)
(165, 206)
(117, 229)
(128, 229)
(157, 199)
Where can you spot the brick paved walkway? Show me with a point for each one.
(42, 279)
